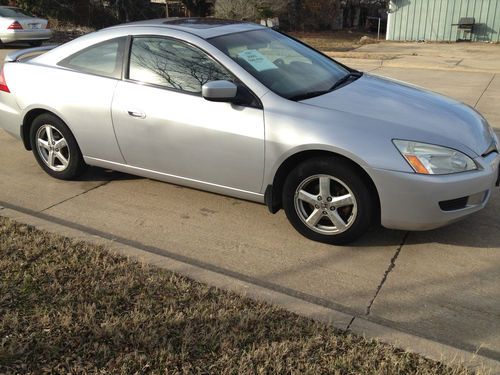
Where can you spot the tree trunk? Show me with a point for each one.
(82, 12)
(197, 8)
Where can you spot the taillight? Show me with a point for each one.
(15, 26)
(3, 83)
(48, 25)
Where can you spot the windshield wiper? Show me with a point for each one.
(308, 95)
(351, 75)
(312, 94)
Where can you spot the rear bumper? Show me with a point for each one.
(410, 201)
(25, 35)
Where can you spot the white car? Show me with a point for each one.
(18, 26)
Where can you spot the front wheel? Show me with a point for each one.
(55, 148)
(327, 200)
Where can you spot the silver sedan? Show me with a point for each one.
(17, 25)
(238, 109)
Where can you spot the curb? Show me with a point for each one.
(340, 320)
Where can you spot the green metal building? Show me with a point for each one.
(436, 20)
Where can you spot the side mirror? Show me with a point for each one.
(219, 91)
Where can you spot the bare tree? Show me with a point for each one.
(234, 9)
(197, 8)
(249, 9)
(178, 67)
(319, 14)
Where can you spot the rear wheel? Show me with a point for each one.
(55, 148)
(36, 43)
(327, 200)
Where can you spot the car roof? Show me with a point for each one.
(203, 27)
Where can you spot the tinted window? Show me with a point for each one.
(102, 59)
(173, 64)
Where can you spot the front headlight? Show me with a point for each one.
(431, 159)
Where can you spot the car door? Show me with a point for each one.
(163, 124)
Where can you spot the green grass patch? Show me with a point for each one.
(72, 307)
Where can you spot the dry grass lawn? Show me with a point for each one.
(334, 41)
(72, 307)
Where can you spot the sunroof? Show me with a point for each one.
(200, 23)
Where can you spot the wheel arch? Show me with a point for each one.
(28, 119)
(273, 193)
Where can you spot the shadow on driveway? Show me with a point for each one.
(96, 174)
(479, 230)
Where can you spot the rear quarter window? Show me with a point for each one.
(104, 59)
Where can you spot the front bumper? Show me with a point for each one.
(409, 201)
(25, 35)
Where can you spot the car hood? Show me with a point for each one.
(409, 112)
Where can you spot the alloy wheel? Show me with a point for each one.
(52, 148)
(325, 204)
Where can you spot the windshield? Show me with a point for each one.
(12, 12)
(285, 66)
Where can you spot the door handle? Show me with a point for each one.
(137, 114)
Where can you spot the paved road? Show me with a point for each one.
(443, 285)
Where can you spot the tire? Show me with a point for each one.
(36, 43)
(57, 153)
(321, 215)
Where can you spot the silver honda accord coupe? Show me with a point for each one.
(241, 110)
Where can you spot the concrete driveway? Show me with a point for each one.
(442, 285)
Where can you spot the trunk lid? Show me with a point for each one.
(30, 23)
